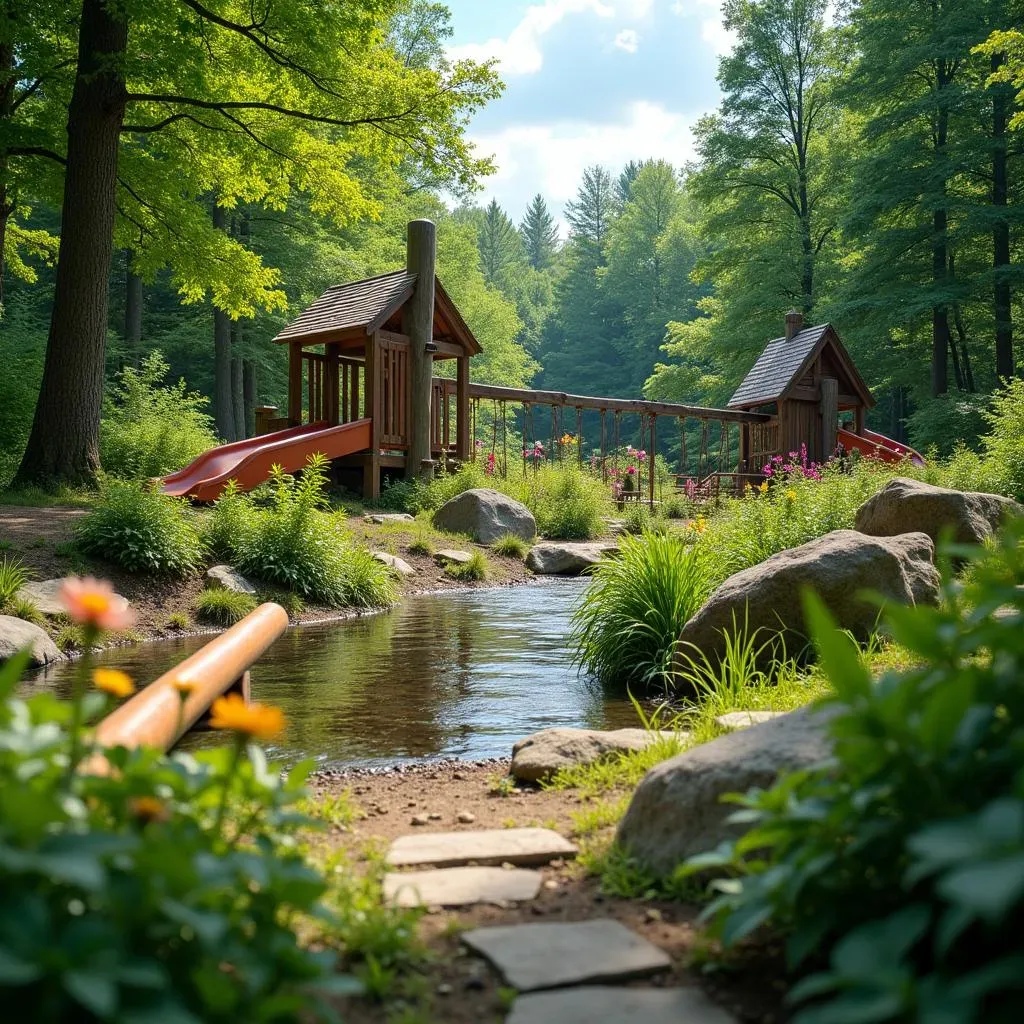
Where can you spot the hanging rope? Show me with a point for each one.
(579, 435)
(604, 448)
(702, 455)
(527, 430)
(615, 443)
(504, 440)
(494, 429)
(556, 446)
(684, 462)
(723, 449)
(473, 412)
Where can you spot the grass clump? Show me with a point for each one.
(14, 574)
(626, 629)
(567, 503)
(475, 569)
(178, 620)
(141, 530)
(24, 608)
(294, 543)
(223, 607)
(511, 546)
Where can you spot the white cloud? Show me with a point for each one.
(551, 158)
(521, 52)
(712, 28)
(628, 40)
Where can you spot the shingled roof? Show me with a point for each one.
(778, 366)
(366, 304)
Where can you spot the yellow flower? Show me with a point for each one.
(113, 681)
(148, 808)
(261, 721)
(791, 495)
(764, 487)
(184, 686)
(92, 602)
(700, 524)
(568, 439)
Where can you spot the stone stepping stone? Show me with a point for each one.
(602, 1005)
(45, 595)
(745, 719)
(400, 565)
(449, 555)
(539, 956)
(461, 887)
(380, 518)
(522, 846)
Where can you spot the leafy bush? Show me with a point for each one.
(13, 576)
(166, 889)
(1004, 443)
(627, 627)
(636, 517)
(141, 530)
(567, 502)
(223, 607)
(896, 872)
(227, 521)
(295, 544)
(149, 429)
(475, 569)
(511, 546)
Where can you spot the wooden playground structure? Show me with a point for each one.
(362, 391)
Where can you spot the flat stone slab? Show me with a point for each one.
(45, 595)
(448, 555)
(380, 518)
(600, 1004)
(225, 577)
(461, 887)
(521, 846)
(400, 565)
(552, 955)
(744, 719)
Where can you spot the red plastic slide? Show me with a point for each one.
(879, 446)
(249, 461)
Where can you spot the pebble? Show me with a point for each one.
(419, 819)
(466, 818)
(550, 883)
(434, 816)
(652, 914)
(444, 989)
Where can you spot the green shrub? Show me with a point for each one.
(511, 546)
(296, 545)
(13, 576)
(636, 517)
(567, 502)
(626, 628)
(226, 523)
(24, 608)
(676, 507)
(475, 569)
(178, 620)
(149, 429)
(1004, 443)
(896, 871)
(223, 607)
(141, 530)
(164, 890)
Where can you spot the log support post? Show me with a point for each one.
(418, 325)
(462, 442)
(294, 385)
(829, 416)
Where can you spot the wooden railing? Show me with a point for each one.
(157, 716)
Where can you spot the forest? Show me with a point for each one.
(863, 167)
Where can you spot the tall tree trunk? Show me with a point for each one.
(237, 396)
(940, 241)
(223, 408)
(63, 446)
(807, 245)
(8, 81)
(132, 311)
(249, 395)
(1001, 228)
(896, 420)
(965, 355)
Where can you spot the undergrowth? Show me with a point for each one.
(223, 607)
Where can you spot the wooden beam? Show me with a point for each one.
(295, 384)
(829, 416)
(418, 324)
(462, 409)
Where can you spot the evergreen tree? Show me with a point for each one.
(590, 213)
(540, 234)
(501, 247)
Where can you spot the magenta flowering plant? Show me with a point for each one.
(796, 464)
(489, 464)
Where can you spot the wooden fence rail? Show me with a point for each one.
(157, 717)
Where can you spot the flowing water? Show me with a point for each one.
(443, 675)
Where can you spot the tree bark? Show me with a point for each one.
(8, 82)
(940, 224)
(132, 311)
(249, 395)
(223, 407)
(237, 386)
(63, 446)
(1002, 293)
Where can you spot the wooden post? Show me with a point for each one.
(263, 414)
(650, 459)
(462, 409)
(858, 420)
(829, 416)
(332, 388)
(418, 325)
(294, 384)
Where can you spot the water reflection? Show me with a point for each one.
(453, 675)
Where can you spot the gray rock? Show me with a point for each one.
(601, 1004)
(450, 555)
(541, 755)
(677, 810)
(521, 846)
(567, 559)
(540, 956)
(461, 887)
(400, 565)
(17, 634)
(224, 577)
(485, 515)
(905, 506)
(45, 595)
(380, 518)
(745, 719)
(839, 566)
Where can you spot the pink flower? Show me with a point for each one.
(631, 469)
(92, 602)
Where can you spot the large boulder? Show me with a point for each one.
(485, 515)
(839, 566)
(677, 810)
(17, 634)
(225, 577)
(45, 595)
(539, 756)
(567, 559)
(905, 505)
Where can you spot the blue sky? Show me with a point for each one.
(588, 81)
